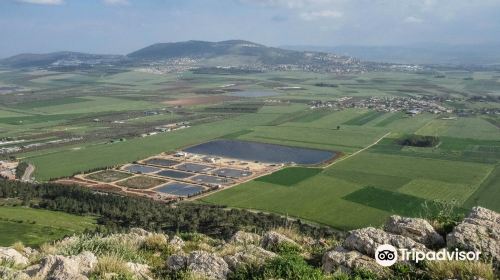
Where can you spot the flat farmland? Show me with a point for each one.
(347, 139)
(318, 199)
(373, 184)
(473, 128)
(65, 162)
(35, 226)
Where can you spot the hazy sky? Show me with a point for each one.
(121, 26)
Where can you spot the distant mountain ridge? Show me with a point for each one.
(480, 54)
(198, 53)
(33, 60)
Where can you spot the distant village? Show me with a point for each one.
(409, 105)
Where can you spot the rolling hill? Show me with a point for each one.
(198, 53)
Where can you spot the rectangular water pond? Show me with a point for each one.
(179, 189)
(263, 152)
(161, 162)
(205, 179)
(137, 168)
(193, 167)
(174, 174)
(231, 173)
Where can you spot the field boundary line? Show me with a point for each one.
(359, 151)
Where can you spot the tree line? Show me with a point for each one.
(117, 212)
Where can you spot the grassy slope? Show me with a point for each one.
(35, 226)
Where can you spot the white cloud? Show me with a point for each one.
(292, 4)
(43, 2)
(413, 19)
(320, 15)
(116, 2)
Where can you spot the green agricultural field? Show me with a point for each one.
(488, 194)
(365, 118)
(35, 226)
(346, 139)
(376, 185)
(474, 128)
(318, 199)
(290, 176)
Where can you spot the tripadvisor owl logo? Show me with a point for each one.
(386, 255)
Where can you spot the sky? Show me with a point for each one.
(122, 26)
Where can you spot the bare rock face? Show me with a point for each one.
(61, 267)
(271, 239)
(480, 231)
(348, 261)
(366, 241)
(417, 229)
(139, 232)
(140, 271)
(7, 273)
(177, 243)
(249, 254)
(208, 265)
(176, 262)
(11, 255)
(242, 237)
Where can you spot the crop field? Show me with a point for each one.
(365, 118)
(120, 116)
(290, 176)
(35, 226)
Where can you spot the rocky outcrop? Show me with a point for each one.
(242, 237)
(11, 274)
(61, 267)
(140, 271)
(208, 265)
(272, 239)
(177, 262)
(177, 243)
(248, 254)
(11, 255)
(347, 261)
(200, 262)
(480, 231)
(367, 240)
(417, 229)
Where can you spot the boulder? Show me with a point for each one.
(208, 265)
(10, 274)
(417, 229)
(366, 241)
(140, 271)
(11, 255)
(480, 231)
(347, 261)
(176, 262)
(61, 267)
(177, 243)
(248, 254)
(271, 239)
(139, 232)
(242, 237)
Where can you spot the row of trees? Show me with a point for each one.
(419, 141)
(116, 212)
